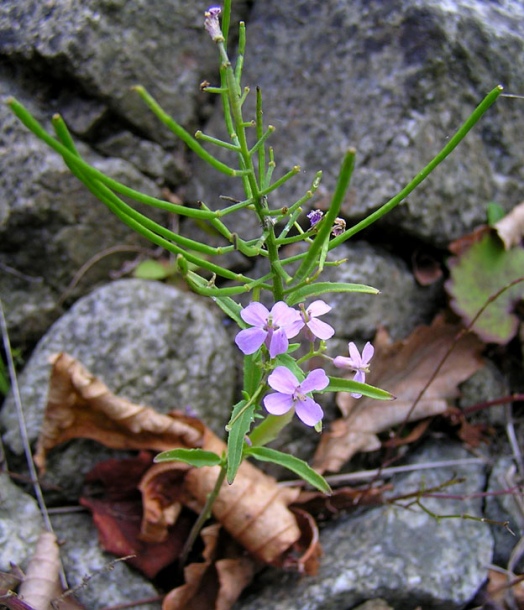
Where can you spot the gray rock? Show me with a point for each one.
(402, 555)
(502, 507)
(401, 305)
(150, 343)
(393, 80)
(108, 46)
(20, 524)
(51, 225)
(100, 581)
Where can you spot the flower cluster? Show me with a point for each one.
(273, 329)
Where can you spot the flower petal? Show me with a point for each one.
(343, 362)
(316, 380)
(278, 343)
(320, 329)
(354, 354)
(367, 353)
(318, 308)
(255, 314)
(283, 380)
(360, 376)
(309, 411)
(250, 339)
(277, 403)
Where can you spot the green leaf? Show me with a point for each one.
(299, 467)
(153, 270)
(336, 384)
(321, 288)
(194, 457)
(477, 277)
(290, 363)
(239, 425)
(230, 308)
(494, 213)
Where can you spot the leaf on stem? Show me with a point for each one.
(154, 498)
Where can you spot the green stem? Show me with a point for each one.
(204, 515)
(481, 109)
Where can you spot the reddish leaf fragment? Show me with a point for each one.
(118, 516)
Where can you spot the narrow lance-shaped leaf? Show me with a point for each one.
(337, 384)
(299, 467)
(193, 457)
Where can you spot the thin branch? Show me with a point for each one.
(15, 390)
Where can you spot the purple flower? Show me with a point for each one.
(212, 24)
(292, 394)
(339, 226)
(314, 327)
(314, 217)
(273, 328)
(357, 363)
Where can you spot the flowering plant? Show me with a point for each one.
(276, 383)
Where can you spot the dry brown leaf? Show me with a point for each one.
(81, 406)
(402, 368)
(41, 584)
(254, 509)
(510, 229)
(218, 581)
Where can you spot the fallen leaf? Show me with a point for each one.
(479, 274)
(510, 229)
(81, 406)
(117, 511)
(218, 581)
(254, 509)
(41, 584)
(426, 268)
(402, 368)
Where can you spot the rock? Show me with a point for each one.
(101, 581)
(150, 343)
(20, 524)
(502, 507)
(394, 80)
(401, 305)
(107, 46)
(51, 225)
(402, 555)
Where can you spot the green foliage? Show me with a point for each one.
(194, 457)
(154, 270)
(487, 279)
(299, 467)
(252, 162)
(336, 384)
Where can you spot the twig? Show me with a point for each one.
(23, 433)
(94, 260)
(364, 475)
(107, 568)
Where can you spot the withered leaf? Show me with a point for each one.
(118, 515)
(218, 581)
(81, 406)
(402, 368)
(254, 509)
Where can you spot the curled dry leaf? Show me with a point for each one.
(81, 406)
(218, 581)
(118, 514)
(402, 368)
(510, 229)
(254, 509)
(41, 584)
